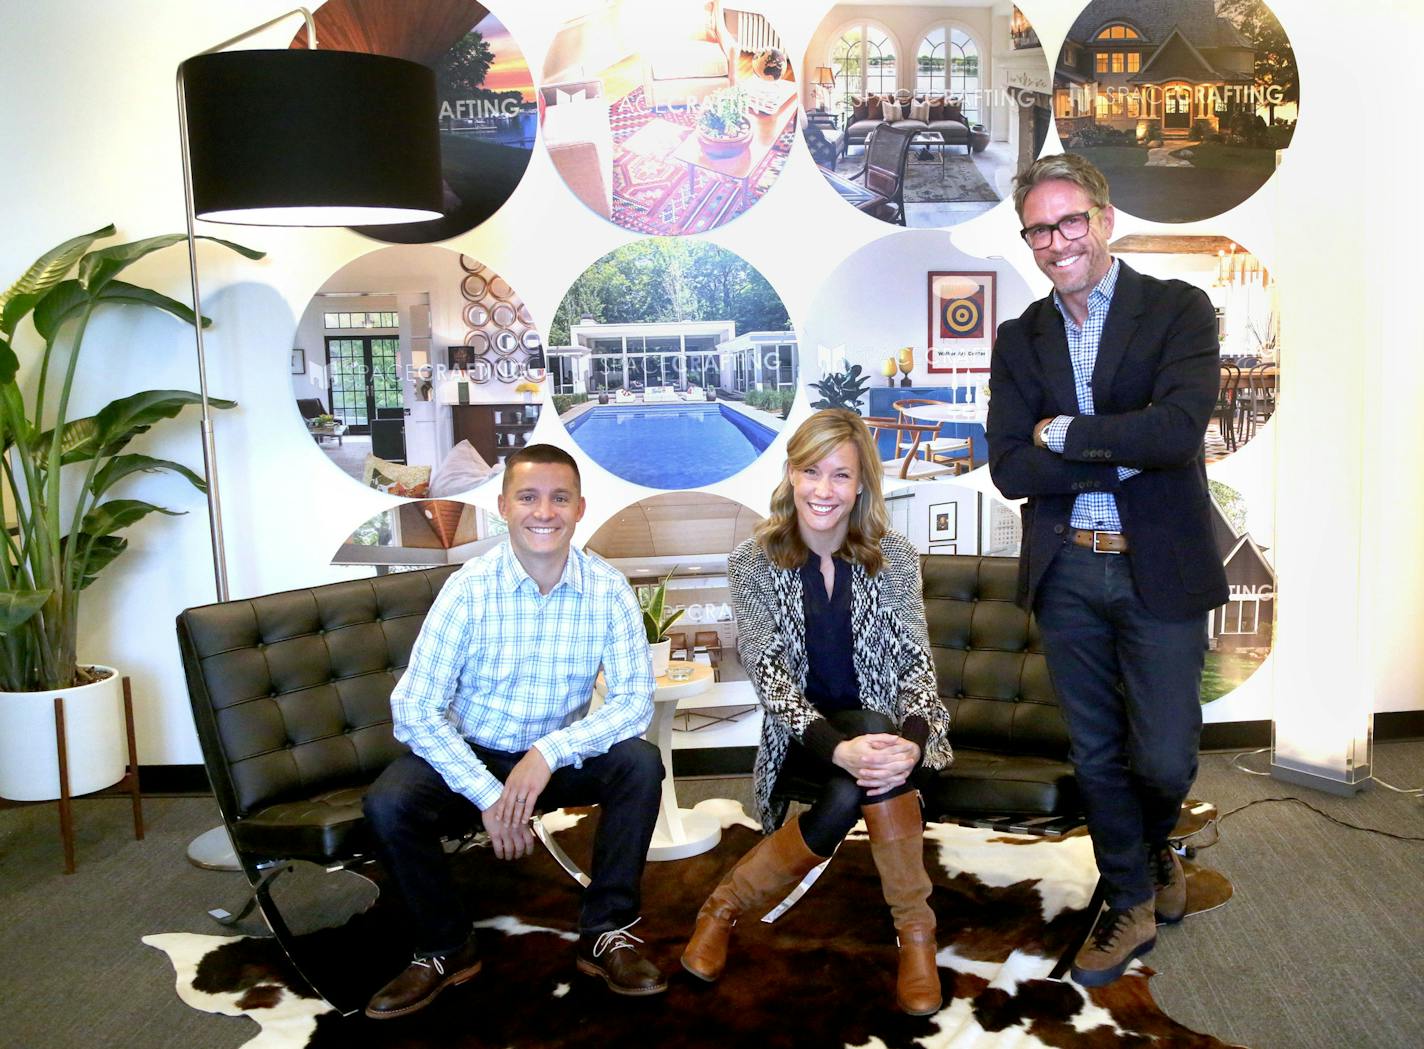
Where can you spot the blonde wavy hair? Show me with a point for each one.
(780, 535)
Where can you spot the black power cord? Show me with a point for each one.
(1223, 817)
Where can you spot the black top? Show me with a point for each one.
(830, 662)
(831, 684)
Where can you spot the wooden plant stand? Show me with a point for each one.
(128, 783)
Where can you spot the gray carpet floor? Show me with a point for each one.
(1319, 949)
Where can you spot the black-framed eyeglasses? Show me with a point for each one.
(1073, 227)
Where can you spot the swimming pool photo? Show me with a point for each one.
(672, 445)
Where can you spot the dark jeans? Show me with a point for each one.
(1129, 683)
(409, 809)
(834, 813)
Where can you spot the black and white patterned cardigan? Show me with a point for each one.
(891, 653)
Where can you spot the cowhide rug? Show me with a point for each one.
(822, 975)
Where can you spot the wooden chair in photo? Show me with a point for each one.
(710, 641)
(886, 152)
(955, 452)
(1225, 411)
(910, 466)
(1255, 399)
(678, 648)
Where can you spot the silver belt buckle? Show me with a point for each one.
(1099, 550)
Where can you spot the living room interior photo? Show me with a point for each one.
(668, 118)
(413, 370)
(963, 87)
(336, 353)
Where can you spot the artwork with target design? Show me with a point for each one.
(961, 321)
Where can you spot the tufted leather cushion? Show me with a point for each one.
(328, 826)
(291, 697)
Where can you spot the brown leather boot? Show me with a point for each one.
(897, 844)
(1170, 883)
(1119, 936)
(768, 870)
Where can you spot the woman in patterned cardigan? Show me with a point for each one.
(831, 631)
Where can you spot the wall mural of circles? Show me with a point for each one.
(966, 113)
(394, 388)
(484, 88)
(667, 381)
(1244, 294)
(1187, 107)
(671, 117)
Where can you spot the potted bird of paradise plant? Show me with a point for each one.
(656, 621)
(60, 512)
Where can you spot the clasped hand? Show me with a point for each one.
(879, 761)
(507, 820)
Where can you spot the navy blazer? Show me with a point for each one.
(1154, 388)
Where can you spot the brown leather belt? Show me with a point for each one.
(1099, 542)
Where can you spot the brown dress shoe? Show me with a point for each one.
(613, 957)
(1118, 937)
(424, 978)
(1171, 884)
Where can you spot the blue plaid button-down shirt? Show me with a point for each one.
(1093, 511)
(503, 666)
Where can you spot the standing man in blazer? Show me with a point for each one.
(1101, 396)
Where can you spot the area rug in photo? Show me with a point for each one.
(655, 193)
(926, 182)
(822, 975)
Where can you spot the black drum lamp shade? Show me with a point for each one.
(311, 138)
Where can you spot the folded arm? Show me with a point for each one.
(1168, 431)
(1019, 467)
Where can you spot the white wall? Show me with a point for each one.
(90, 133)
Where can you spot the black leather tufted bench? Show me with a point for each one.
(291, 696)
(1010, 741)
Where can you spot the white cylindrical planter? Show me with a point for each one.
(97, 744)
(660, 653)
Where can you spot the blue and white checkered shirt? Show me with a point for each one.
(1092, 511)
(501, 665)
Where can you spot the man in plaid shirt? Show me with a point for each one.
(493, 709)
(1101, 396)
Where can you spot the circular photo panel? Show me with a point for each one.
(1244, 294)
(394, 388)
(673, 548)
(1239, 633)
(668, 116)
(1185, 106)
(901, 333)
(668, 381)
(422, 534)
(484, 88)
(924, 121)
